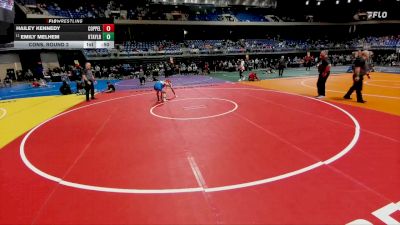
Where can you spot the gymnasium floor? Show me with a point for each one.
(222, 152)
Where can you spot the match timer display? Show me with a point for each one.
(64, 34)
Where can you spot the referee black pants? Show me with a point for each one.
(142, 80)
(89, 88)
(280, 71)
(321, 84)
(357, 86)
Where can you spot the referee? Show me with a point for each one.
(360, 70)
(88, 79)
(281, 66)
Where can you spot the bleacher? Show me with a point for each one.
(70, 13)
(146, 13)
(137, 48)
(249, 17)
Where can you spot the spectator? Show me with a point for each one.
(65, 89)
(110, 88)
(7, 81)
(29, 75)
(35, 83)
(142, 77)
(253, 77)
(43, 83)
(80, 89)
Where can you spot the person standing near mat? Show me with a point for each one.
(307, 61)
(160, 92)
(88, 79)
(324, 69)
(359, 71)
(142, 77)
(281, 65)
(241, 70)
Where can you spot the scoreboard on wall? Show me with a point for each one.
(60, 33)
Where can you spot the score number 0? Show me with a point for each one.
(108, 27)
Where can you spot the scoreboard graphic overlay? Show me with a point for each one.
(64, 34)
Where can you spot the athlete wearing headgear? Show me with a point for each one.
(160, 92)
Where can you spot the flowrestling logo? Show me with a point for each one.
(377, 14)
(383, 214)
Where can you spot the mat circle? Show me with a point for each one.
(371, 83)
(235, 107)
(59, 180)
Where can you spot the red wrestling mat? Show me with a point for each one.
(221, 155)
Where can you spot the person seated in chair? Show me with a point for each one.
(65, 89)
(43, 83)
(7, 81)
(80, 89)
